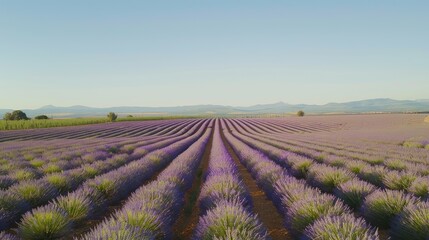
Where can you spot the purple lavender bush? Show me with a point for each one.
(230, 219)
(44, 223)
(304, 212)
(353, 192)
(340, 227)
(381, 206)
(412, 223)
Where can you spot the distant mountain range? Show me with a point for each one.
(379, 105)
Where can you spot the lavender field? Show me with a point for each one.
(316, 177)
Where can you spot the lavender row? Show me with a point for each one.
(33, 194)
(303, 207)
(95, 195)
(82, 131)
(362, 152)
(382, 208)
(90, 158)
(225, 203)
(151, 211)
(32, 165)
(377, 175)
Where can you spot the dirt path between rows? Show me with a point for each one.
(189, 215)
(262, 206)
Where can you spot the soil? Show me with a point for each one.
(262, 206)
(189, 215)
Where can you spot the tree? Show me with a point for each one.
(129, 116)
(40, 117)
(112, 116)
(300, 113)
(7, 116)
(15, 115)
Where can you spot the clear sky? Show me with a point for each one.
(167, 53)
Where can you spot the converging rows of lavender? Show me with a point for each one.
(244, 178)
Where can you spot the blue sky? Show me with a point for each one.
(166, 53)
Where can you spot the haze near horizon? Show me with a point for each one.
(241, 53)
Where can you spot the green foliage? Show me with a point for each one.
(33, 123)
(77, 207)
(304, 212)
(112, 116)
(51, 168)
(300, 113)
(44, 223)
(381, 207)
(398, 180)
(15, 115)
(60, 181)
(412, 144)
(413, 223)
(40, 117)
(23, 174)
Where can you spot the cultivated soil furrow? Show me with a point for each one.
(262, 206)
(189, 215)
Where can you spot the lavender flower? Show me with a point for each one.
(412, 223)
(353, 192)
(327, 178)
(304, 212)
(230, 219)
(118, 231)
(382, 206)
(47, 222)
(340, 227)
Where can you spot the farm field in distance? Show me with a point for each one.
(313, 177)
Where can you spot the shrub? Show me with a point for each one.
(304, 212)
(355, 166)
(15, 115)
(373, 174)
(144, 219)
(6, 182)
(300, 113)
(289, 190)
(230, 219)
(60, 181)
(37, 163)
(327, 178)
(51, 168)
(412, 144)
(89, 171)
(112, 116)
(412, 223)
(340, 227)
(398, 180)
(5, 236)
(300, 166)
(375, 160)
(107, 187)
(420, 187)
(76, 205)
(354, 192)
(382, 206)
(222, 187)
(41, 117)
(44, 223)
(35, 193)
(11, 202)
(118, 231)
(25, 174)
(395, 164)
